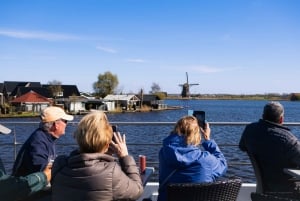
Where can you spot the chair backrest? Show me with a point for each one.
(280, 196)
(226, 190)
(257, 172)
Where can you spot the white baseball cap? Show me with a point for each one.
(54, 113)
(4, 130)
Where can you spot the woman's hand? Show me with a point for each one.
(206, 132)
(119, 145)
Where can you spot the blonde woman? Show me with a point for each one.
(182, 161)
(90, 173)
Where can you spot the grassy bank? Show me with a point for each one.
(20, 114)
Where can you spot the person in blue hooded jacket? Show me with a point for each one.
(181, 160)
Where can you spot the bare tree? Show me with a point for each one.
(55, 89)
(155, 88)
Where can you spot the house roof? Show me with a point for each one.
(87, 95)
(31, 97)
(11, 85)
(68, 90)
(148, 97)
(112, 97)
(19, 91)
(1, 87)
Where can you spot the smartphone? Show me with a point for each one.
(114, 128)
(200, 115)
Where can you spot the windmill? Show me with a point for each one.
(186, 87)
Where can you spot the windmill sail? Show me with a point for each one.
(186, 87)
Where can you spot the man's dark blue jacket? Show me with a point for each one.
(275, 148)
(34, 154)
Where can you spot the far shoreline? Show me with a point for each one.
(277, 97)
(202, 97)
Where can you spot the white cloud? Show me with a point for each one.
(209, 69)
(106, 49)
(36, 35)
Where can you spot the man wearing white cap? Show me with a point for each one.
(4, 130)
(39, 148)
(17, 188)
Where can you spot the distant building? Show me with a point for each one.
(66, 96)
(30, 102)
(152, 101)
(10, 88)
(126, 102)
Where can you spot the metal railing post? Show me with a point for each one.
(15, 142)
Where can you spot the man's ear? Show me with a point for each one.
(281, 120)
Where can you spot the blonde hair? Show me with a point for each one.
(93, 132)
(188, 127)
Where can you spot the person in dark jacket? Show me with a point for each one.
(274, 146)
(182, 160)
(92, 173)
(19, 188)
(39, 148)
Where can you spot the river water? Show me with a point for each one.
(150, 136)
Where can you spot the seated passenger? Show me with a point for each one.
(181, 160)
(18, 188)
(90, 173)
(39, 148)
(274, 147)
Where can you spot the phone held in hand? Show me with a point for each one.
(114, 128)
(200, 115)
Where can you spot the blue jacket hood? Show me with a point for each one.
(179, 153)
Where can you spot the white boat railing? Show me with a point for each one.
(15, 143)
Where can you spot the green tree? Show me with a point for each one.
(161, 95)
(106, 84)
(295, 97)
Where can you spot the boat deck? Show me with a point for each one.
(151, 188)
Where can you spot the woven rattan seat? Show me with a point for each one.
(226, 190)
(275, 196)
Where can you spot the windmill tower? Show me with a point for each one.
(186, 87)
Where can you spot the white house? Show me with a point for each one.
(126, 102)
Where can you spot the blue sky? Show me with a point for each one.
(227, 46)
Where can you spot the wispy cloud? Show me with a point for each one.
(106, 49)
(136, 60)
(209, 69)
(36, 35)
(45, 57)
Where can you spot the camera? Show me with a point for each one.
(200, 115)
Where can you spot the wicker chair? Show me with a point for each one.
(273, 196)
(261, 194)
(226, 190)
